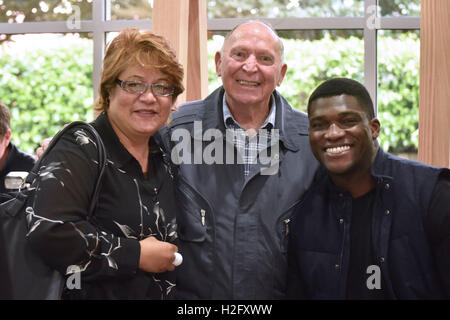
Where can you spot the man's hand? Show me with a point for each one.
(43, 147)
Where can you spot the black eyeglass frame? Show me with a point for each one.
(152, 86)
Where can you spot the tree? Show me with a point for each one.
(18, 11)
(47, 10)
(305, 8)
(32, 10)
(50, 10)
(284, 8)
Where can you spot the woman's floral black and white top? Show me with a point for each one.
(130, 208)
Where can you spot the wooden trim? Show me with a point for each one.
(183, 23)
(171, 19)
(197, 67)
(434, 102)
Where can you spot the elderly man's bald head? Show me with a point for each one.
(268, 26)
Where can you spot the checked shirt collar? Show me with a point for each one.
(249, 147)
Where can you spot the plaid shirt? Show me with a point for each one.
(249, 147)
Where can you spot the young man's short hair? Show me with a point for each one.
(339, 86)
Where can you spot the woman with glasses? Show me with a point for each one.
(126, 250)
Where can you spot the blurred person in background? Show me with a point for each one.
(11, 158)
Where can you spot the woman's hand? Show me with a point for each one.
(156, 256)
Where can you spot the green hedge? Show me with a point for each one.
(312, 62)
(398, 92)
(47, 88)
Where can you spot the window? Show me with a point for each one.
(62, 43)
(352, 38)
(284, 8)
(46, 82)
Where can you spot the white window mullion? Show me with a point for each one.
(292, 23)
(98, 17)
(402, 23)
(44, 27)
(370, 50)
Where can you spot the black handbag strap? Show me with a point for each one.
(101, 158)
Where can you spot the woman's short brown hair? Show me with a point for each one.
(142, 47)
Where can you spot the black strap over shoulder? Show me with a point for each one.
(101, 157)
(30, 278)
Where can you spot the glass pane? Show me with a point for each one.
(312, 56)
(131, 9)
(284, 8)
(18, 11)
(46, 81)
(110, 36)
(399, 7)
(398, 90)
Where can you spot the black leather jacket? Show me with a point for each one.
(319, 254)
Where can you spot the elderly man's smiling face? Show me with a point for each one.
(250, 65)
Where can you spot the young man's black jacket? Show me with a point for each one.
(409, 244)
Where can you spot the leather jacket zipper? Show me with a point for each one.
(203, 214)
(341, 258)
(286, 229)
(191, 190)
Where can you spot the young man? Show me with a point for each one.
(11, 158)
(373, 226)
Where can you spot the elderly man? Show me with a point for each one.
(372, 226)
(244, 161)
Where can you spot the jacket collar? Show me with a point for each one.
(289, 129)
(378, 167)
(13, 151)
(377, 171)
(211, 117)
(114, 148)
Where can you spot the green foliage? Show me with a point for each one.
(46, 88)
(312, 62)
(398, 92)
(305, 8)
(60, 10)
(48, 10)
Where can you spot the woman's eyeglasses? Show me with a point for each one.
(137, 87)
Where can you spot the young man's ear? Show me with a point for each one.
(375, 128)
